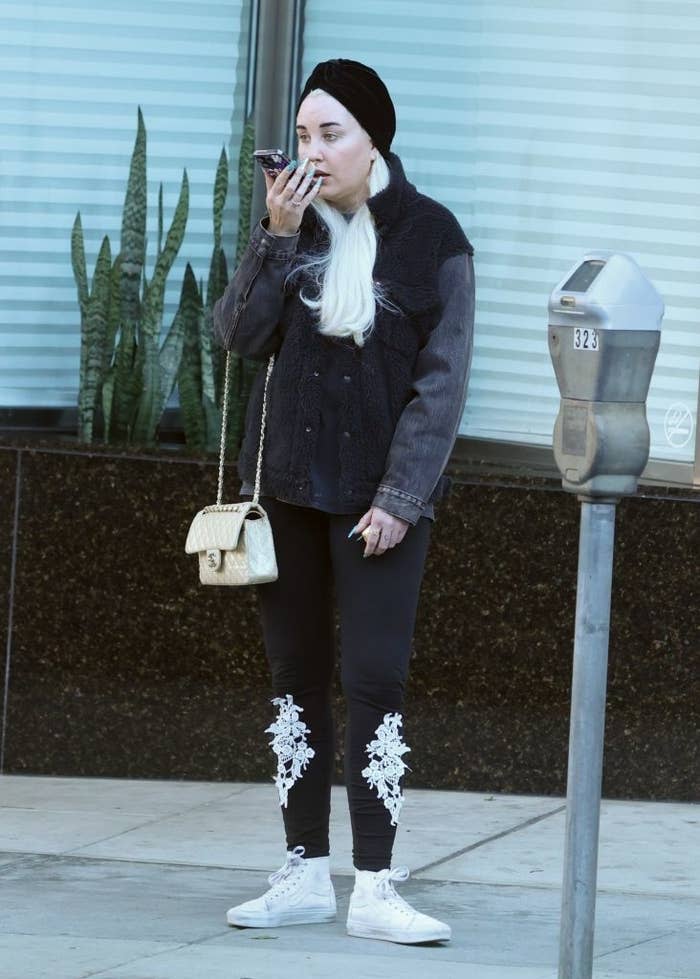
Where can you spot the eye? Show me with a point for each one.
(331, 136)
(302, 138)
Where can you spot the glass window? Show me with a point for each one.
(549, 132)
(72, 79)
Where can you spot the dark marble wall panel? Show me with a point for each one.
(654, 660)
(8, 474)
(490, 693)
(124, 665)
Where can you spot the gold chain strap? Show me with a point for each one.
(224, 424)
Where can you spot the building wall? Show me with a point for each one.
(72, 80)
(550, 128)
(122, 664)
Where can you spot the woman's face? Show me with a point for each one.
(338, 146)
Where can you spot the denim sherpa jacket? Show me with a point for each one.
(405, 388)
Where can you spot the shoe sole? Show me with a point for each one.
(305, 917)
(402, 937)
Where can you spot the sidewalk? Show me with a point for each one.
(132, 879)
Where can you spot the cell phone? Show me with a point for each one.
(272, 161)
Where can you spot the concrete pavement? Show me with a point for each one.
(132, 879)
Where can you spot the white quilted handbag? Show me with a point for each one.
(234, 540)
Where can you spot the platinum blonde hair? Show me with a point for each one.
(347, 295)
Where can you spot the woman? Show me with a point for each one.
(364, 290)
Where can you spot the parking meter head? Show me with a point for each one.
(604, 331)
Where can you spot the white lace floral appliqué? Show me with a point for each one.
(289, 744)
(386, 764)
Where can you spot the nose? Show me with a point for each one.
(313, 150)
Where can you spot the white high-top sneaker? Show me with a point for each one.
(301, 893)
(377, 911)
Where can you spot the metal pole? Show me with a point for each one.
(277, 60)
(596, 545)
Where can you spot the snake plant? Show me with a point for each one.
(134, 379)
(122, 367)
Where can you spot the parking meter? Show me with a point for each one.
(604, 331)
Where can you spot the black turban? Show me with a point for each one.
(362, 92)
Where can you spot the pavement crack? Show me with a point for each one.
(149, 822)
(643, 941)
(136, 958)
(488, 839)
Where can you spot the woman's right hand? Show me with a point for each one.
(288, 196)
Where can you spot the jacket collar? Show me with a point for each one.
(386, 206)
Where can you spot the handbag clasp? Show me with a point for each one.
(214, 559)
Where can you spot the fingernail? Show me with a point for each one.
(352, 532)
(319, 181)
(291, 164)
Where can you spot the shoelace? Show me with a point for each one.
(384, 884)
(294, 860)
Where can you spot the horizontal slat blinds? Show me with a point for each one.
(549, 128)
(72, 76)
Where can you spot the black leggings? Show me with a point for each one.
(377, 599)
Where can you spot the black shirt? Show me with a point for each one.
(325, 467)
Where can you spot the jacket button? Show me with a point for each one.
(346, 434)
(346, 377)
(315, 373)
(308, 428)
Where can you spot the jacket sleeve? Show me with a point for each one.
(246, 317)
(427, 429)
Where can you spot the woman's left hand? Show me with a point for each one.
(392, 530)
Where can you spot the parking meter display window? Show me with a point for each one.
(574, 429)
(583, 277)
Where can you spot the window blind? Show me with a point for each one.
(72, 77)
(549, 128)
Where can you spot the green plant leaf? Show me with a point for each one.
(190, 374)
(127, 385)
(246, 176)
(107, 396)
(190, 305)
(77, 254)
(220, 194)
(155, 292)
(93, 331)
(160, 217)
(114, 316)
(143, 429)
(218, 354)
(133, 232)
